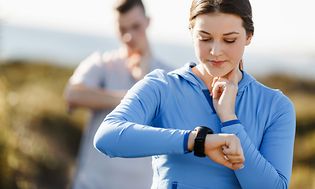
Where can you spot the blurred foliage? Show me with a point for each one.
(39, 140)
(302, 92)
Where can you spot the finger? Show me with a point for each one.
(233, 150)
(224, 148)
(226, 157)
(229, 150)
(218, 157)
(230, 147)
(217, 89)
(231, 156)
(235, 158)
(233, 145)
(237, 166)
(214, 81)
(225, 162)
(238, 147)
(212, 84)
(134, 60)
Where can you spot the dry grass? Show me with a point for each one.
(39, 141)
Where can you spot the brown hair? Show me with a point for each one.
(123, 6)
(241, 8)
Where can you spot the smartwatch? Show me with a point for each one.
(199, 147)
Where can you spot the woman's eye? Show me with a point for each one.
(203, 39)
(230, 40)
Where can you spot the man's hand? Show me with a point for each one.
(138, 66)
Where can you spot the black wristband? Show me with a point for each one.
(199, 147)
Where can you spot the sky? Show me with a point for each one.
(280, 25)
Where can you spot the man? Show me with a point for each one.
(99, 83)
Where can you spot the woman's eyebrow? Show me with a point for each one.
(230, 33)
(204, 32)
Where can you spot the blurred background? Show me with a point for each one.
(41, 42)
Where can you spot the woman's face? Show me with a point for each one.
(219, 41)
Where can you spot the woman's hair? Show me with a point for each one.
(241, 8)
(123, 6)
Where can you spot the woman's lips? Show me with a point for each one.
(217, 62)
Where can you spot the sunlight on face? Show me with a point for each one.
(219, 42)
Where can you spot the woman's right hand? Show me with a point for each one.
(224, 93)
(225, 149)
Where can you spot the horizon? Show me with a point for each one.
(274, 30)
(68, 49)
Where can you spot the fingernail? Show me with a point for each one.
(226, 158)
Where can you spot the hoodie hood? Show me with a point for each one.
(186, 73)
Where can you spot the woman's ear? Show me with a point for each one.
(249, 39)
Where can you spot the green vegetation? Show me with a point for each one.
(39, 140)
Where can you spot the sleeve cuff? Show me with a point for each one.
(231, 122)
(234, 127)
(186, 137)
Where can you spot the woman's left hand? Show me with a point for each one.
(224, 93)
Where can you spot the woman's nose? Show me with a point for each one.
(216, 49)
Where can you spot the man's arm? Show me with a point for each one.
(80, 95)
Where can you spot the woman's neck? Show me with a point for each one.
(207, 78)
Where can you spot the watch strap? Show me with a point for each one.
(199, 146)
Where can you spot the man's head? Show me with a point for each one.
(132, 23)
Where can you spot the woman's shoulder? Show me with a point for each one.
(155, 81)
(160, 81)
(157, 75)
(162, 75)
(274, 94)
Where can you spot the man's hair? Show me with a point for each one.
(123, 6)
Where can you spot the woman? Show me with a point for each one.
(253, 126)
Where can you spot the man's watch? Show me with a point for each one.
(199, 147)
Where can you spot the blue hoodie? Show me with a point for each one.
(158, 113)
